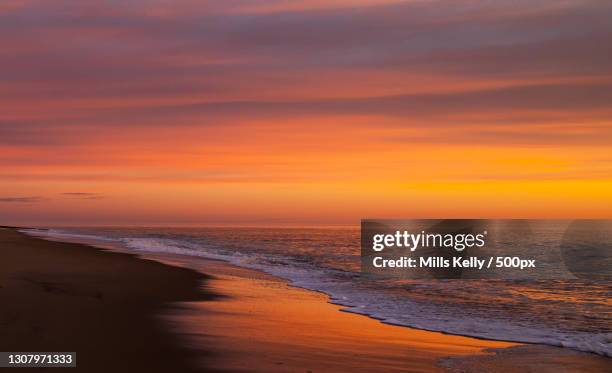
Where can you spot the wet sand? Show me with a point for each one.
(266, 325)
(529, 359)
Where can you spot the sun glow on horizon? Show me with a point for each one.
(304, 112)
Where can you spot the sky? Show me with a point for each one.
(131, 112)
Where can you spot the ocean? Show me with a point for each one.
(568, 312)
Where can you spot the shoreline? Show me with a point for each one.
(105, 242)
(243, 331)
(312, 326)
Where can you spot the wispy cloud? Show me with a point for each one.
(84, 195)
(33, 199)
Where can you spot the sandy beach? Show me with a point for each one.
(103, 305)
(160, 317)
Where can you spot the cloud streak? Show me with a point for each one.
(83, 195)
(34, 199)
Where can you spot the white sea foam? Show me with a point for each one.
(55, 233)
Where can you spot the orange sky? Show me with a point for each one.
(303, 112)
